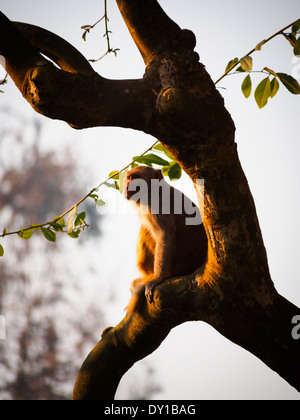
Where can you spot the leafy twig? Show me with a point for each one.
(87, 28)
(58, 224)
(234, 63)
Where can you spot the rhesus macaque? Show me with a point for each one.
(172, 240)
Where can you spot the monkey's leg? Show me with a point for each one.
(164, 254)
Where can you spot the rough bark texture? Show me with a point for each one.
(177, 103)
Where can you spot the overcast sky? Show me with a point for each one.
(195, 361)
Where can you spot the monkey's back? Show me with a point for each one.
(191, 249)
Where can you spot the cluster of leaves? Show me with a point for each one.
(269, 86)
(294, 38)
(155, 155)
(75, 225)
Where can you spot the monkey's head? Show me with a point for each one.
(137, 184)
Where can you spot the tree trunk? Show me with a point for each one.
(176, 102)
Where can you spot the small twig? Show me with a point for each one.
(87, 29)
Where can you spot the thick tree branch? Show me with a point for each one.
(264, 330)
(56, 48)
(149, 26)
(74, 93)
(135, 337)
(19, 54)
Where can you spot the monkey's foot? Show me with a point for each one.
(149, 289)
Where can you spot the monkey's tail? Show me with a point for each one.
(138, 296)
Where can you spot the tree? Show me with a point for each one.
(176, 102)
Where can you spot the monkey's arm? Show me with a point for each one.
(164, 253)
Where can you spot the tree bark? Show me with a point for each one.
(176, 102)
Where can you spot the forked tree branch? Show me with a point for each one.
(74, 92)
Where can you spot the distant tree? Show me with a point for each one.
(38, 309)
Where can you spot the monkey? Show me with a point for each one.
(171, 241)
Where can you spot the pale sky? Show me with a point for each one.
(195, 362)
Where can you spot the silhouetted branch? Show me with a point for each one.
(56, 48)
(74, 93)
(150, 27)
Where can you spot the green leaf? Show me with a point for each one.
(231, 64)
(168, 154)
(258, 46)
(270, 71)
(263, 92)
(290, 83)
(49, 234)
(296, 27)
(80, 219)
(291, 39)
(62, 222)
(56, 226)
(297, 47)
(175, 171)
(122, 180)
(74, 234)
(1, 251)
(4, 232)
(95, 197)
(25, 234)
(274, 87)
(165, 170)
(150, 159)
(35, 227)
(114, 175)
(246, 63)
(247, 86)
(159, 147)
(100, 202)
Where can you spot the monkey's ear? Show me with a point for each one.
(158, 174)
